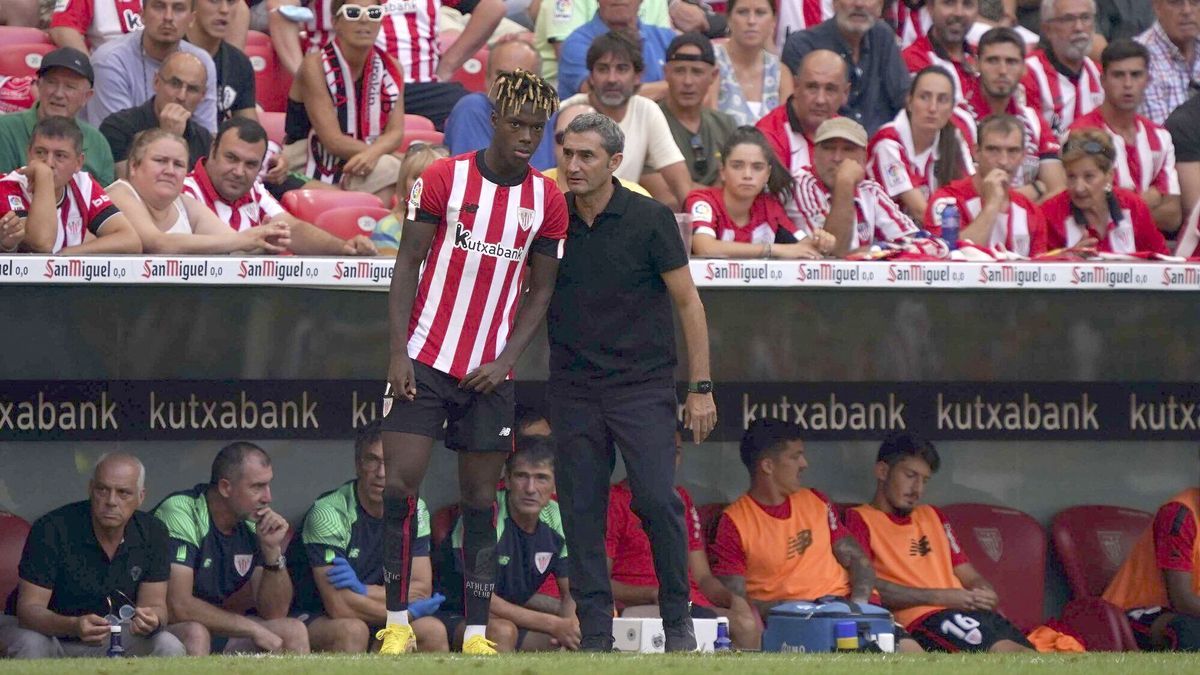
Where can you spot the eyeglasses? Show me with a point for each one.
(1087, 18)
(1178, 4)
(373, 13)
(699, 156)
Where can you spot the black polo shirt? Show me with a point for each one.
(610, 318)
(63, 554)
(235, 81)
(1184, 125)
(120, 127)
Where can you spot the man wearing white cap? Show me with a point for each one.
(834, 194)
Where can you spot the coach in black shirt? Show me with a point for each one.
(84, 561)
(612, 363)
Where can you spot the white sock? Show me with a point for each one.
(399, 618)
(472, 631)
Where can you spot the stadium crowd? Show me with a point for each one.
(1059, 129)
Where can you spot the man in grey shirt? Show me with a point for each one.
(125, 67)
(878, 78)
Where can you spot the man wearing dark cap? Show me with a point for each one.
(64, 85)
(699, 132)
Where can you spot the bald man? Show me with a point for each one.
(86, 560)
(822, 87)
(178, 88)
(469, 126)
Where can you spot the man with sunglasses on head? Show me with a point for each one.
(699, 131)
(83, 563)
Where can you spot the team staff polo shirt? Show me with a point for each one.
(222, 563)
(610, 318)
(524, 560)
(337, 526)
(63, 554)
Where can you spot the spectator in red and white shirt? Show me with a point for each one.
(993, 213)
(797, 16)
(946, 45)
(1062, 81)
(631, 565)
(1145, 153)
(227, 182)
(835, 194)
(821, 88)
(90, 23)
(67, 212)
(744, 217)
(926, 145)
(1001, 67)
(1094, 213)
(910, 18)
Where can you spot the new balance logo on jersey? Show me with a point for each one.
(920, 547)
(464, 240)
(798, 544)
(506, 432)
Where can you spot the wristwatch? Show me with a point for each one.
(279, 565)
(701, 387)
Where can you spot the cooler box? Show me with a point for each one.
(811, 626)
(645, 636)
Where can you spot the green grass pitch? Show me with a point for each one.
(622, 664)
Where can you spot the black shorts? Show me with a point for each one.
(1181, 632)
(472, 422)
(952, 630)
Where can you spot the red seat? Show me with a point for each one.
(472, 74)
(1008, 548)
(23, 35)
(710, 515)
(13, 530)
(412, 136)
(273, 122)
(271, 79)
(348, 222)
(22, 60)
(308, 205)
(257, 39)
(1101, 626)
(441, 524)
(417, 123)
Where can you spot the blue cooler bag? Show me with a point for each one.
(812, 626)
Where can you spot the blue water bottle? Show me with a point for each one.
(115, 649)
(951, 221)
(722, 643)
(846, 636)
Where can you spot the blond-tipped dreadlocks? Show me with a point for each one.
(512, 90)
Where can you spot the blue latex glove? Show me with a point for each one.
(425, 607)
(342, 575)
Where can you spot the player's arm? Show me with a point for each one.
(116, 235)
(414, 246)
(630, 595)
(862, 573)
(566, 608)
(529, 619)
(420, 585)
(482, 23)
(1179, 592)
(344, 603)
(34, 613)
(183, 606)
(272, 587)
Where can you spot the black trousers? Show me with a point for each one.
(641, 420)
(434, 100)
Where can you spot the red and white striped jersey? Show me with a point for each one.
(894, 163)
(1130, 227)
(797, 15)
(1061, 98)
(254, 208)
(791, 146)
(84, 204)
(471, 280)
(709, 216)
(1021, 230)
(922, 54)
(98, 20)
(16, 93)
(911, 24)
(1040, 142)
(1150, 163)
(409, 32)
(877, 218)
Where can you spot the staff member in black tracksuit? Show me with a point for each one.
(612, 364)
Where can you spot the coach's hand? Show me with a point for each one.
(401, 379)
(144, 621)
(91, 629)
(566, 632)
(265, 640)
(486, 377)
(700, 415)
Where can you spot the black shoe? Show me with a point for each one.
(681, 637)
(596, 643)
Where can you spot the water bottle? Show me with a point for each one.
(846, 633)
(115, 650)
(951, 221)
(722, 643)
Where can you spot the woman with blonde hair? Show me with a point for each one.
(168, 221)
(389, 228)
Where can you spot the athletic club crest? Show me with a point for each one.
(991, 542)
(242, 562)
(541, 561)
(1111, 543)
(525, 219)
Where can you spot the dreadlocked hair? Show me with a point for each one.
(513, 89)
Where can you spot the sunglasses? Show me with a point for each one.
(373, 13)
(1089, 147)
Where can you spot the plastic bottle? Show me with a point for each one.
(846, 633)
(115, 649)
(722, 643)
(951, 221)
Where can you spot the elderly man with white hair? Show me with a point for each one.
(1061, 79)
(1173, 42)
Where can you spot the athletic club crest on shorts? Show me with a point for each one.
(541, 561)
(525, 219)
(242, 562)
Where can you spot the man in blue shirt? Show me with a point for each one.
(620, 16)
(469, 126)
